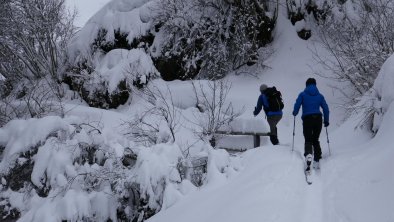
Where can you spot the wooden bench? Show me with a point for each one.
(256, 135)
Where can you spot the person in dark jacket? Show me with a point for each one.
(311, 100)
(273, 117)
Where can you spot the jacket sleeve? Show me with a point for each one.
(326, 111)
(259, 105)
(265, 103)
(297, 104)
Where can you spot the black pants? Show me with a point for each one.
(312, 125)
(273, 121)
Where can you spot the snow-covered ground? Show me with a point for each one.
(355, 183)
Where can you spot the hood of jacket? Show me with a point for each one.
(311, 90)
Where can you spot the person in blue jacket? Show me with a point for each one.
(311, 100)
(273, 117)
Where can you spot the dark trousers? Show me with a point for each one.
(273, 121)
(312, 125)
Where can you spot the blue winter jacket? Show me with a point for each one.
(263, 101)
(311, 101)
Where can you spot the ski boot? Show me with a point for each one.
(308, 159)
(316, 165)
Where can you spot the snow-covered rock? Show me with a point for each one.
(121, 15)
(21, 135)
(109, 54)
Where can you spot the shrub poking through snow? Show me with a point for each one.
(217, 112)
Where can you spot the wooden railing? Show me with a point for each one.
(256, 135)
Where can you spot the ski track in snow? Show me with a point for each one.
(314, 199)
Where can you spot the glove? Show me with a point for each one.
(294, 113)
(254, 112)
(326, 123)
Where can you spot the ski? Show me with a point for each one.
(308, 174)
(308, 170)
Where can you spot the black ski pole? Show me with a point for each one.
(328, 142)
(292, 147)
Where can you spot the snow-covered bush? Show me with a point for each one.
(208, 38)
(120, 41)
(298, 10)
(108, 83)
(302, 13)
(77, 171)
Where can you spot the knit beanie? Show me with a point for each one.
(263, 87)
(310, 81)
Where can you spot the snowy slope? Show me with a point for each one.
(289, 67)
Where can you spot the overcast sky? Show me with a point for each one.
(86, 9)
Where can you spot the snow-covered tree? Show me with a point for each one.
(359, 35)
(35, 38)
(33, 41)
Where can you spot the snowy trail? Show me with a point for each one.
(313, 211)
(270, 187)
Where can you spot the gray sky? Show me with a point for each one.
(86, 9)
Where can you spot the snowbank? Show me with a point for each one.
(155, 167)
(121, 64)
(382, 92)
(384, 83)
(359, 181)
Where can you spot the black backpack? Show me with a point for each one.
(274, 97)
